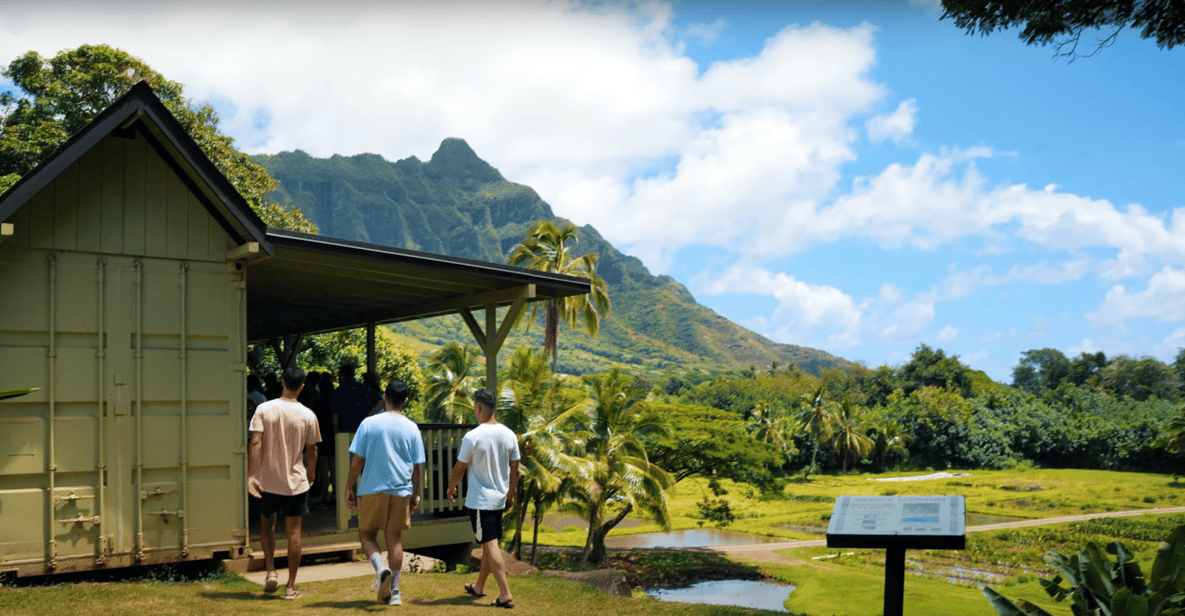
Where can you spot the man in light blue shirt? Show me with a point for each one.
(385, 484)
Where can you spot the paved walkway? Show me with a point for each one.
(337, 571)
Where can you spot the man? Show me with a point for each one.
(388, 457)
(351, 401)
(490, 454)
(283, 456)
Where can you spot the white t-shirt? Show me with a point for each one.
(488, 449)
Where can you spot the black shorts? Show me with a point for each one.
(295, 505)
(487, 525)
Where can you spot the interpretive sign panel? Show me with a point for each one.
(911, 522)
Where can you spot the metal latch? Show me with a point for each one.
(165, 513)
(70, 498)
(80, 520)
(157, 493)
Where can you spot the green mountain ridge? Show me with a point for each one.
(457, 204)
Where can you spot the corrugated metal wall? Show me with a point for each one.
(119, 305)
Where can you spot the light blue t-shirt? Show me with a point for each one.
(488, 449)
(392, 446)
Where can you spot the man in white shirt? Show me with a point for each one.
(283, 457)
(490, 454)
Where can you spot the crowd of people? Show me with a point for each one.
(293, 424)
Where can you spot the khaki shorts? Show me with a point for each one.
(375, 510)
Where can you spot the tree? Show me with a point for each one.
(16, 393)
(613, 427)
(1063, 22)
(450, 379)
(1086, 367)
(711, 443)
(1040, 370)
(932, 368)
(58, 96)
(1179, 368)
(1140, 379)
(549, 248)
(817, 420)
(848, 437)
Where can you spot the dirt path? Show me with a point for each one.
(767, 552)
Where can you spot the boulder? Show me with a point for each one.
(514, 566)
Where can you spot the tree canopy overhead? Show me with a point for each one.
(56, 97)
(1063, 22)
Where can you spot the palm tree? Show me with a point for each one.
(549, 248)
(612, 426)
(527, 405)
(16, 393)
(774, 426)
(817, 420)
(891, 441)
(849, 439)
(450, 378)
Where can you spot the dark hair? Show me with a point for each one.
(373, 379)
(293, 378)
(397, 393)
(485, 399)
(253, 382)
(346, 371)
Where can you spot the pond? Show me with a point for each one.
(742, 593)
(690, 538)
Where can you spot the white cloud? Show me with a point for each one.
(818, 313)
(1163, 299)
(896, 126)
(947, 334)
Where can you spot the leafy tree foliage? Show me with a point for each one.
(933, 368)
(1040, 370)
(450, 380)
(1063, 22)
(59, 95)
(1140, 379)
(709, 442)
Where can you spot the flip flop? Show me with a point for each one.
(271, 582)
(508, 605)
(473, 591)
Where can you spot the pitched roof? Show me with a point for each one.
(142, 111)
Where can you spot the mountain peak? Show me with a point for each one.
(455, 157)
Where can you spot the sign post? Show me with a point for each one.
(895, 524)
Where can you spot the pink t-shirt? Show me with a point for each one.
(286, 428)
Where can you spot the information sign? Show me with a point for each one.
(911, 522)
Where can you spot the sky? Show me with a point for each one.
(858, 177)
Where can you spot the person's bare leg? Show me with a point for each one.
(292, 525)
(370, 541)
(492, 552)
(483, 573)
(267, 540)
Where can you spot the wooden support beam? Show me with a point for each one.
(371, 362)
(492, 336)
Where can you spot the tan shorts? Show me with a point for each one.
(375, 510)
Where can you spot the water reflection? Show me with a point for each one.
(742, 593)
(691, 538)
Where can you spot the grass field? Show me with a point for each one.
(942, 582)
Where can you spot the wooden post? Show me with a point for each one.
(371, 360)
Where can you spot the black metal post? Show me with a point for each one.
(894, 581)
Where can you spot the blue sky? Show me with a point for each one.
(858, 177)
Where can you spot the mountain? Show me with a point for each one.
(457, 204)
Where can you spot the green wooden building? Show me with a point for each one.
(134, 276)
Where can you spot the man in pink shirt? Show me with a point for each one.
(280, 467)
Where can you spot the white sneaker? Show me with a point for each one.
(383, 582)
(395, 599)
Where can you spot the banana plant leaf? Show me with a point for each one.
(13, 393)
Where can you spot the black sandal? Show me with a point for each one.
(506, 605)
(473, 591)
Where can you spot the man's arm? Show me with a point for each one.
(310, 461)
(513, 485)
(254, 460)
(417, 480)
(455, 480)
(352, 483)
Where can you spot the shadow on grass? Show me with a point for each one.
(242, 595)
(456, 601)
(361, 604)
